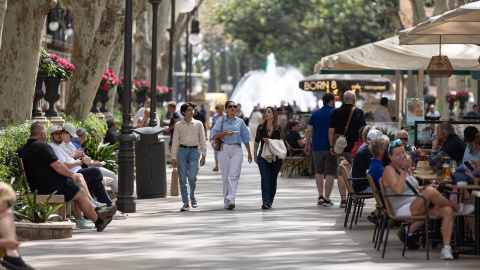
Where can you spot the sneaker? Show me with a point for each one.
(106, 211)
(98, 204)
(265, 206)
(194, 202)
(185, 207)
(446, 254)
(343, 204)
(402, 234)
(120, 215)
(14, 263)
(327, 203)
(465, 209)
(231, 205)
(215, 169)
(82, 224)
(320, 200)
(104, 223)
(411, 240)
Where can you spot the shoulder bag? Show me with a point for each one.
(217, 143)
(339, 140)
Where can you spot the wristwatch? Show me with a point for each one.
(405, 170)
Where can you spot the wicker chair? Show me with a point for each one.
(291, 162)
(358, 199)
(382, 213)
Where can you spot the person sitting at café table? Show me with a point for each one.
(296, 141)
(432, 113)
(398, 179)
(403, 135)
(452, 145)
(472, 153)
(361, 162)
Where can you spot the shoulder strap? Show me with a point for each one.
(408, 184)
(223, 120)
(348, 122)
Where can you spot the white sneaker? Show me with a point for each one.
(107, 181)
(120, 215)
(446, 254)
(465, 209)
(185, 207)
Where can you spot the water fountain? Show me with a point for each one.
(272, 86)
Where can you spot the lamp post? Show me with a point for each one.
(183, 7)
(192, 39)
(126, 156)
(153, 68)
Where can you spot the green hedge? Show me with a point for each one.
(13, 137)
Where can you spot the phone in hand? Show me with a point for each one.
(469, 166)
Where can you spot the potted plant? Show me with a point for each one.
(140, 88)
(451, 98)
(162, 91)
(53, 70)
(462, 97)
(109, 80)
(430, 99)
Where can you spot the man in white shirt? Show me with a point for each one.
(382, 114)
(92, 175)
(187, 137)
(431, 111)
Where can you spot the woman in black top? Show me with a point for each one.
(268, 129)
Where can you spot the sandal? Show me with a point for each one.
(372, 218)
(215, 169)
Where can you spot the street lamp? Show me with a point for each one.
(183, 7)
(194, 40)
(153, 68)
(126, 155)
(195, 36)
(53, 25)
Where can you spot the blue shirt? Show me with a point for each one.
(375, 170)
(76, 143)
(468, 156)
(241, 136)
(472, 113)
(320, 121)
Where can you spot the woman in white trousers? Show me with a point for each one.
(233, 133)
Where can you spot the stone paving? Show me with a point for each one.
(295, 234)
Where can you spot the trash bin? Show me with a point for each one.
(151, 175)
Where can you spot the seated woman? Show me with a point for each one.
(398, 179)
(296, 141)
(403, 135)
(145, 119)
(8, 237)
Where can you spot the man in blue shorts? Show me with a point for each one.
(324, 161)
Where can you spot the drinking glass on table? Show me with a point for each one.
(453, 166)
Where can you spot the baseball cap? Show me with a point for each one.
(469, 134)
(70, 129)
(56, 129)
(327, 97)
(373, 134)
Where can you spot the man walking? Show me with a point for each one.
(323, 160)
(188, 135)
(340, 124)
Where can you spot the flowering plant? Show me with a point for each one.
(450, 97)
(462, 96)
(162, 90)
(430, 99)
(140, 86)
(415, 157)
(54, 67)
(109, 80)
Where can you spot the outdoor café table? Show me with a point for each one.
(475, 194)
(428, 178)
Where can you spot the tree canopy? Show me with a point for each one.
(299, 32)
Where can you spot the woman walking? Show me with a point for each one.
(233, 132)
(269, 129)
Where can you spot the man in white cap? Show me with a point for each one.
(361, 163)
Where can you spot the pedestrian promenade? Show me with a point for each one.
(295, 234)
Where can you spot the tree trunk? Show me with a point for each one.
(442, 90)
(98, 26)
(162, 41)
(143, 44)
(418, 12)
(3, 10)
(19, 57)
(115, 64)
(440, 7)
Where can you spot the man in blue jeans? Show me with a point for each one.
(188, 135)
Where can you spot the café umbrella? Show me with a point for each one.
(334, 83)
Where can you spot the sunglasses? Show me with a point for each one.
(403, 139)
(393, 144)
(231, 106)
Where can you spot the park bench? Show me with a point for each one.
(63, 212)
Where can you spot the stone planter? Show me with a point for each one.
(52, 95)
(41, 231)
(94, 108)
(39, 94)
(103, 99)
(140, 98)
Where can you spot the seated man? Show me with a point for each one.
(296, 141)
(452, 145)
(110, 135)
(361, 162)
(92, 175)
(8, 236)
(47, 174)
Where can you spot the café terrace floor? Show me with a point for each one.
(295, 234)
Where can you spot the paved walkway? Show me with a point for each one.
(296, 234)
